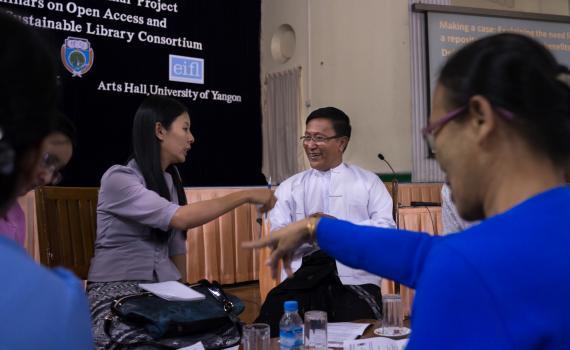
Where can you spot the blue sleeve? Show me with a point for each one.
(454, 308)
(76, 319)
(395, 254)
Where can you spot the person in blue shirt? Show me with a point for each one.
(500, 129)
(39, 308)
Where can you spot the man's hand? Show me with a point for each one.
(322, 215)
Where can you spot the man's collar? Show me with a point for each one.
(339, 168)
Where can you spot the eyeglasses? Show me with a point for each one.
(318, 139)
(431, 129)
(50, 163)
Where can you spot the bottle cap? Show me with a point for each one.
(291, 305)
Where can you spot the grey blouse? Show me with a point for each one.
(125, 248)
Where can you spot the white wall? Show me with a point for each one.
(359, 62)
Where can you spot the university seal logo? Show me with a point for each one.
(77, 56)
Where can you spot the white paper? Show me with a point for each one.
(197, 346)
(173, 291)
(378, 343)
(339, 332)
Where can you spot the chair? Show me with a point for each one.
(67, 227)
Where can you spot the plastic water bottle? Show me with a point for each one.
(291, 328)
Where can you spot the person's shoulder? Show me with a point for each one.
(62, 298)
(14, 259)
(552, 200)
(120, 174)
(445, 193)
(288, 182)
(10, 251)
(367, 174)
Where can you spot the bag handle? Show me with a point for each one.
(217, 292)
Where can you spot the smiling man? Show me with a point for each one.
(336, 189)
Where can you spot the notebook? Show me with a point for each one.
(173, 291)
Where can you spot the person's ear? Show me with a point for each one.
(343, 143)
(483, 119)
(159, 131)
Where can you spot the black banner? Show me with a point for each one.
(112, 54)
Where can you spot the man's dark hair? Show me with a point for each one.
(339, 119)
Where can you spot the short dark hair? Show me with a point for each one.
(146, 147)
(27, 100)
(518, 74)
(339, 119)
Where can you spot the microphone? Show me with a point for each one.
(382, 158)
(395, 203)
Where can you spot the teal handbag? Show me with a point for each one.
(173, 324)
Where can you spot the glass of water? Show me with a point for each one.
(316, 330)
(393, 315)
(256, 336)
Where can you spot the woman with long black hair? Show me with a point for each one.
(142, 212)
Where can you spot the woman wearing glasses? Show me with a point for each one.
(142, 212)
(56, 151)
(40, 308)
(500, 128)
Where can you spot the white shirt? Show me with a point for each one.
(452, 222)
(346, 192)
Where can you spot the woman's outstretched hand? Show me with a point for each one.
(263, 197)
(284, 243)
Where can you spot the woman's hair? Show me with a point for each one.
(64, 125)
(146, 146)
(518, 74)
(27, 102)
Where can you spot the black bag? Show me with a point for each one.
(158, 323)
(316, 286)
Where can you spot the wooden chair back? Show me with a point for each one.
(67, 226)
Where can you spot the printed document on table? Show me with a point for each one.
(172, 290)
(377, 343)
(338, 332)
(197, 346)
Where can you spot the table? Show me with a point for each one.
(368, 333)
